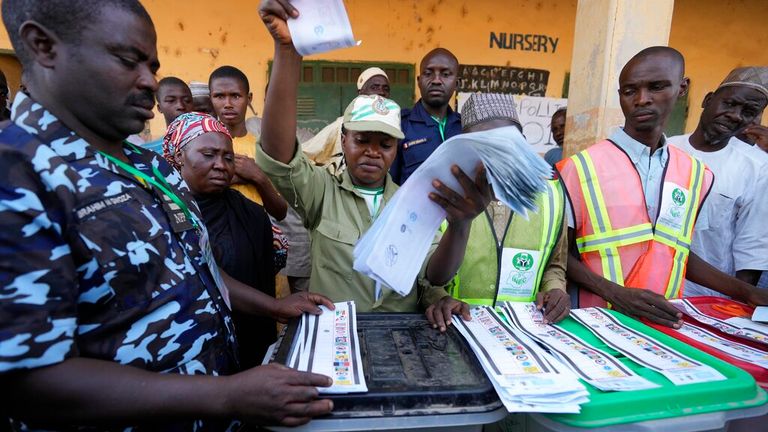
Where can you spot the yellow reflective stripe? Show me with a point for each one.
(611, 263)
(621, 237)
(593, 196)
(676, 276)
(696, 186)
(553, 209)
(598, 214)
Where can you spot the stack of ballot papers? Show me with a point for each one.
(526, 378)
(322, 26)
(645, 350)
(327, 344)
(393, 250)
(594, 366)
(736, 326)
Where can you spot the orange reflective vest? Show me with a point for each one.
(614, 233)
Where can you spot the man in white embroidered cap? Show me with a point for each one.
(339, 209)
(731, 232)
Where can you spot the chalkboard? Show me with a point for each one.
(502, 79)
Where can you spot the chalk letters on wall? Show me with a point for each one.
(502, 79)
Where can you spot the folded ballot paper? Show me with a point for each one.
(327, 344)
(322, 26)
(393, 250)
(526, 378)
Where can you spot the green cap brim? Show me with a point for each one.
(374, 126)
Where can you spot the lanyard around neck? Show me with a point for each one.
(157, 180)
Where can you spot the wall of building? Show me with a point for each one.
(196, 36)
(716, 36)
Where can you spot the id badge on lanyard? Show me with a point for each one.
(674, 203)
(519, 268)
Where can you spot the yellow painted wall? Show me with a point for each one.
(196, 36)
(716, 36)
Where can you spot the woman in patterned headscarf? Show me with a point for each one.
(200, 148)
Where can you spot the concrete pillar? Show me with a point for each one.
(608, 33)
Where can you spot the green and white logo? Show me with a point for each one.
(678, 196)
(522, 261)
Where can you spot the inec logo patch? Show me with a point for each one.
(678, 196)
(522, 261)
(380, 106)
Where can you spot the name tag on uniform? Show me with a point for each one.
(518, 272)
(178, 219)
(674, 202)
(205, 247)
(412, 143)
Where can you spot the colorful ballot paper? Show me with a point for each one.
(393, 250)
(327, 344)
(322, 26)
(594, 366)
(526, 378)
(740, 327)
(734, 349)
(645, 350)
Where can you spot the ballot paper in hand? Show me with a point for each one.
(322, 26)
(594, 366)
(393, 250)
(327, 344)
(526, 378)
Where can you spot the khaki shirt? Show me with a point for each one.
(336, 216)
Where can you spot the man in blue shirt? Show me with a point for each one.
(431, 121)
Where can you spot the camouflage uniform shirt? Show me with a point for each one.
(90, 265)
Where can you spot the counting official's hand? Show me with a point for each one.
(463, 208)
(275, 394)
(556, 304)
(641, 303)
(439, 313)
(275, 14)
(296, 304)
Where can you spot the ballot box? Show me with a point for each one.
(731, 404)
(417, 378)
(721, 308)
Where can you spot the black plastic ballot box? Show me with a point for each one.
(416, 378)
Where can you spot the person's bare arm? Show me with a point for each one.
(278, 133)
(98, 392)
(635, 302)
(254, 302)
(274, 203)
(461, 210)
(703, 273)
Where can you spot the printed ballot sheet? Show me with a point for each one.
(328, 344)
(594, 366)
(322, 25)
(393, 250)
(740, 327)
(526, 378)
(645, 350)
(734, 349)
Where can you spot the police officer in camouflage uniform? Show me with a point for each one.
(112, 310)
